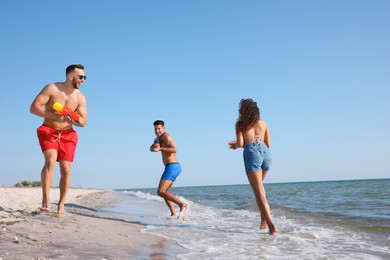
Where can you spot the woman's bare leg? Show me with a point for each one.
(256, 182)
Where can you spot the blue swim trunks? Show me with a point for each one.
(257, 157)
(172, 170)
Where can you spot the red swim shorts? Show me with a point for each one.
(64, 141)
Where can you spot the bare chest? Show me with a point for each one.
(70, 101)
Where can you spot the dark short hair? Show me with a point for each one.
(158, 122)
(71, 68)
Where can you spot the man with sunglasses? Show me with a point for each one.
(56, 136)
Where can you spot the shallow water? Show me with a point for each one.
(316, 220)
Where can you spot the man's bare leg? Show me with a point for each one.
(163, 191)
(64, 185)
(170, 204)
(171, 207)
(47, 174)
(256, 182)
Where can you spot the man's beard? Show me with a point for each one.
(74, 84)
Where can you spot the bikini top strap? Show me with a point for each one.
(256, 138)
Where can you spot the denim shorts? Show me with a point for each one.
(257, 157)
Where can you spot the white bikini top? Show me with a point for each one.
(256, 138)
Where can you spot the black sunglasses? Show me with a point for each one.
(82, 77)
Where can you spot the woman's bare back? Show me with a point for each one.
(258, 133)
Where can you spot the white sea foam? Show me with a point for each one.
(215, 233)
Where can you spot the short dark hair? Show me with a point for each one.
(158, 122)
(71, 68)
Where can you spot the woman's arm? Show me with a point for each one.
(240, 139)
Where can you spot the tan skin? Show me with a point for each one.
(68, 94)
(167, 148)
(256, 178)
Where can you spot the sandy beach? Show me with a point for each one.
(83, 233)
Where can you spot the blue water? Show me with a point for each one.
(316, 220)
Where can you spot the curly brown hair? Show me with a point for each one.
(249, 114)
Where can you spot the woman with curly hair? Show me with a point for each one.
(252, 134)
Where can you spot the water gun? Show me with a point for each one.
(156, 143)
(66, 111)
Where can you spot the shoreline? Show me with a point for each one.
(84, 232)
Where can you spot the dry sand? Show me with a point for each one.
(83, 233)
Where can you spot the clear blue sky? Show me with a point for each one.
(319, 70)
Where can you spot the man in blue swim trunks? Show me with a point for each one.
(167, 147)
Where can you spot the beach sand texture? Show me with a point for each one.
(83, 233)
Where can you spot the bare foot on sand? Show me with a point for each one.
(61, 210)
(43, 209)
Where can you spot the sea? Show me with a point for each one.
(316, 220)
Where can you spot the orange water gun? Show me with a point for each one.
(66, 111)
